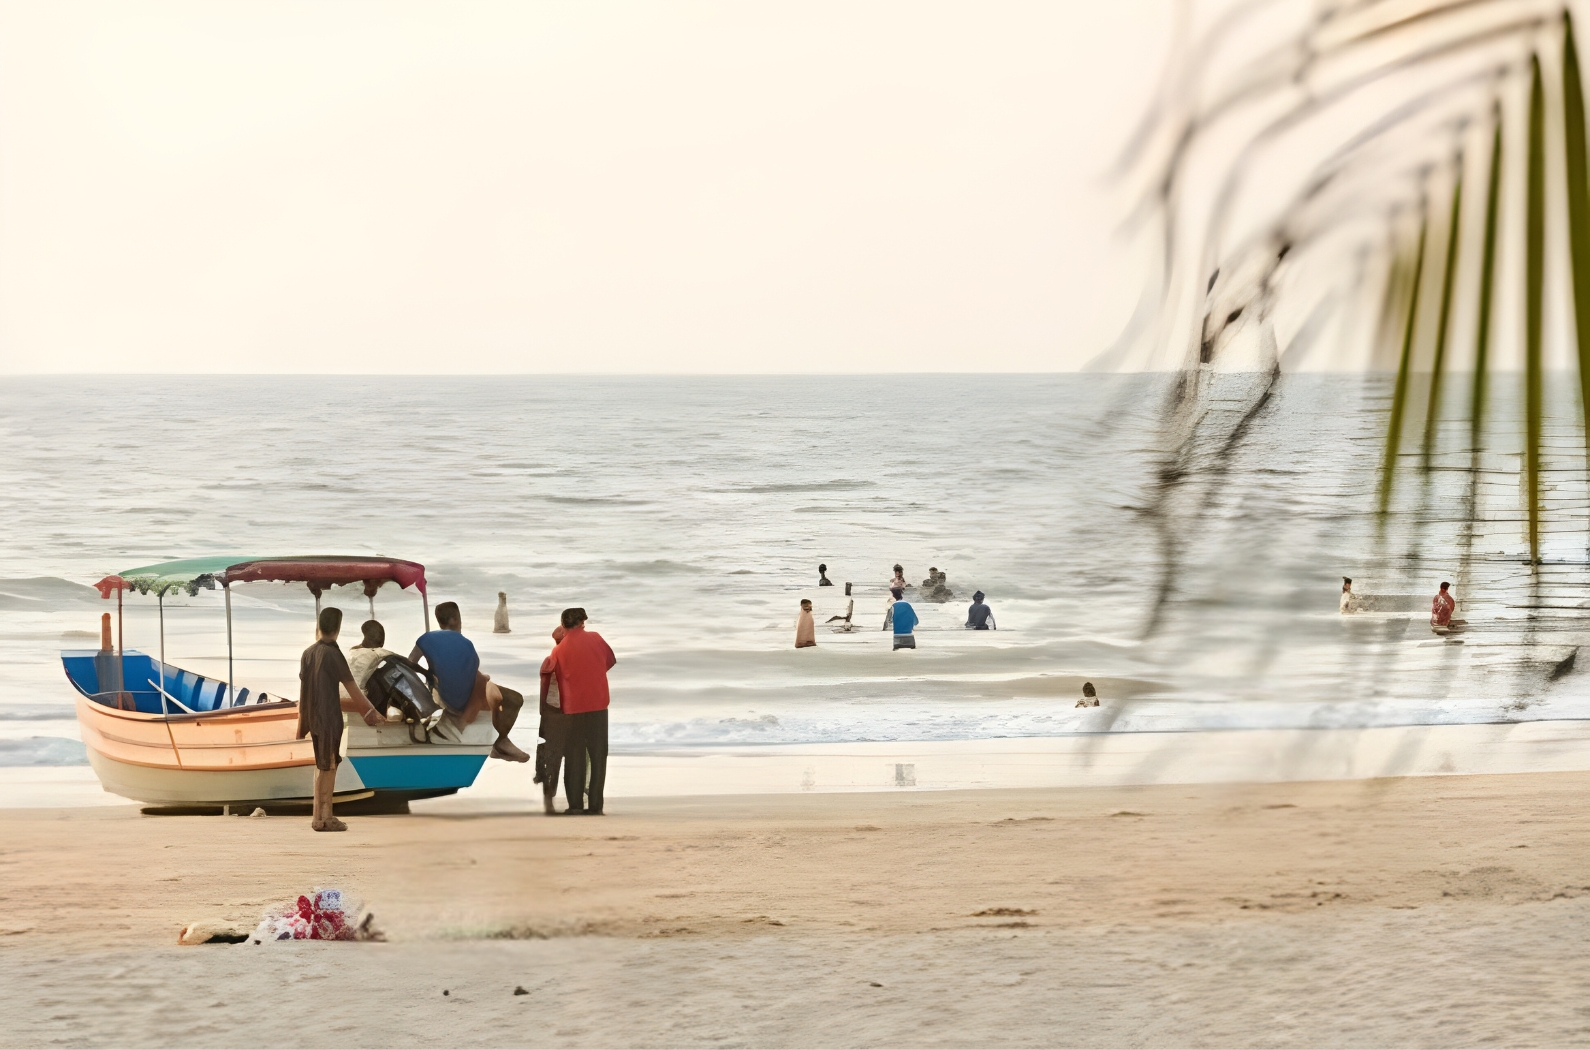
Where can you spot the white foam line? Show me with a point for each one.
(1214, 756)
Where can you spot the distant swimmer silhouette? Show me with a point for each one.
(980, 617)
(499, 622)
(1441, 608)
(850, 610)
(1349, 602)
(1090, 697)
(805, 630)
(822, 577)
(936, 587)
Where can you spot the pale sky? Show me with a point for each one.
(477, 187)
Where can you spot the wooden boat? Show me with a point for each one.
(170, 737)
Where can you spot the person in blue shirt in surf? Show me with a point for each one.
(905, 619)
(465, 691)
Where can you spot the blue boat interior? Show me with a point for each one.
(147, 685)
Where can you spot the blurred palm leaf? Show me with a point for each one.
(1300, 160)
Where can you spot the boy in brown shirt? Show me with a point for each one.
(321, 670)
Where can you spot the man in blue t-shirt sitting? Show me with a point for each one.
(465, 691)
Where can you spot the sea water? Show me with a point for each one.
(688, 516)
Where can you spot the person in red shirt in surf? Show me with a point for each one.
(579, 663)
(1441, 608)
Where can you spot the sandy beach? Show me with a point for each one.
(1428, 911)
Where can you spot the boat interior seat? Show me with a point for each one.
(145, 677)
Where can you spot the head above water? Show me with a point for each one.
(374, 634)
(447, 617)
(330, 622)
(822, 568)
(1088, 690)
(573, 618)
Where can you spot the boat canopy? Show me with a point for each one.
(318, 571)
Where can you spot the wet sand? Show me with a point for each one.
(1430, 911)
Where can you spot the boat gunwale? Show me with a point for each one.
(248, 711)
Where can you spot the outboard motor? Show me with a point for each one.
(398, 683)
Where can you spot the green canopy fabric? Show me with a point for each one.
(189, 574)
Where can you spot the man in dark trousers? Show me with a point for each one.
(579, 664)
(321, 670)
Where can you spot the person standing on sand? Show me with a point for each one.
(904, 621)
(321, 670)
(579, 664)
(805, 629)
(555, 733)
(1442, 607)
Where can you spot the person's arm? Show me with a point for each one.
(417, 654)
(362, 704)
(611, 659)
(991, 624)
(546, 678)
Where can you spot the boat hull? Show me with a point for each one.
(245, 755)
(164, 786)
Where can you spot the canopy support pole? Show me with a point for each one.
(425, 601)
(230, 689)
(160, 600)
(121, 648)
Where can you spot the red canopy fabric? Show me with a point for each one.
(322, 572)
(109, 584)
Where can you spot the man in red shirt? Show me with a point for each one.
(580, 663)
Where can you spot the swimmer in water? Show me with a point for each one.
(822, 577)
(805, 629)
(905, 619)
(899, 579)
(1441, 608)
(850, 609)
(980, 617)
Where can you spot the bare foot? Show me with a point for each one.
(329, 824)
(552, 809)
(507, 751)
